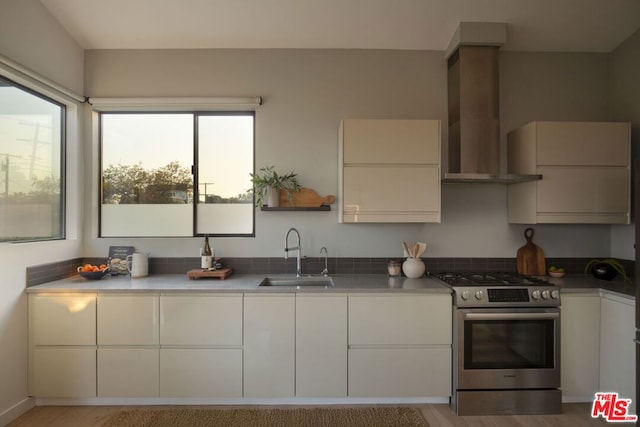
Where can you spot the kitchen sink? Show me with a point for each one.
(325, 281)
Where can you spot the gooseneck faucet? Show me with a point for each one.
(324, 272)
(295, 248)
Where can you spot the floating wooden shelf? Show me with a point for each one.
(297, 208)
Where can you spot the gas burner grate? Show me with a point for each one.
(490, 278)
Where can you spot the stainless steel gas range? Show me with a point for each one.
(506, 344)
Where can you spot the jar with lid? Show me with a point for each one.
(394, 267)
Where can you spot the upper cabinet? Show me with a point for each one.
(389, 171)
(585, 168)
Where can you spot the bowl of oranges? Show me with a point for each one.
(93, 272)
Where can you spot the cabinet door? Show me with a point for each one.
(580, 335)
(128, 320)
(399, 319)
(63, 320)
(589, 190)
(617, 349)
(391, 194)
(64, 372)
(400, 372)
(186, 372)
(321, 345)
(391, 141)
(201, 320)
(128, 372)
(583, 143)
(269, 345)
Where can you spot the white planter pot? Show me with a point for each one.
(273, 197)
(413, 268)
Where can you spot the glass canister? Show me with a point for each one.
(394, 267)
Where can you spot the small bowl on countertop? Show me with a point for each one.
(557, 274)
(94, 275)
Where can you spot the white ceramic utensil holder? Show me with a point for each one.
(413, 268)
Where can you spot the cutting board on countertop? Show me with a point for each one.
(305, 198)
(530, 257)
(199, 273)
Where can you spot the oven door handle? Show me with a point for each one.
(511, 316)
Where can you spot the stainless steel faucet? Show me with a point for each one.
(324, 272)
(296, 248)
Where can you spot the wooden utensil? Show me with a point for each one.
(422, 247)
(406, 250)
(530, 257)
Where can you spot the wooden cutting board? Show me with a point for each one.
(306, 198)
(198, 273)
(530, 258)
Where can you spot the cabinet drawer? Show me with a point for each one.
(391, 141)
(583, 143)
(126, 372)
(200, 372)
(402, 372)
(64, 372)
(63, 320)
(399, 320)
(201, 319)
(128, 320)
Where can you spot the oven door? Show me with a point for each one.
(507, 348)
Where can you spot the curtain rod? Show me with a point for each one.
(38, 79)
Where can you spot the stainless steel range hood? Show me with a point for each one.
(473, 95)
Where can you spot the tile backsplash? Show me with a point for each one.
(175, 265)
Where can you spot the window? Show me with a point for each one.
(176, 174)
(31, 165)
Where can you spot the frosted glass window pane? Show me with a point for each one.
(31, 172)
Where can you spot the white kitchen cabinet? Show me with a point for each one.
(128, 319)
(389, 171)
(399, 345)
(617, 349)
(128, 345)
(201, 339)
(62, 345)
(201, 320)
(128, 372)
(585, 168)
(269, 345)
(580, 350)
(321, 345)
(188, 372)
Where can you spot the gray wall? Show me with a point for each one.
(306, 93)
(31, 37)
(625, 90)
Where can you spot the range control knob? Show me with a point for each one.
(478, 295)
(555, 294)
(545, 294)
(535, 294)
(464, 295)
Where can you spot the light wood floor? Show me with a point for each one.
(574, 415)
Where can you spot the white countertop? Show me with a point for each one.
(238, 283)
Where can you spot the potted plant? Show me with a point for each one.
(606, 269)
(267, 184)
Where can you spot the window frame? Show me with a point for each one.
(194, 166)
(62, 210)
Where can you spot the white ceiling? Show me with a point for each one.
(533, 25)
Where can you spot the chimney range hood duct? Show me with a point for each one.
(474, 119)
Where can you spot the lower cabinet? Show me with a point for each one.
(617, 349)
(200, 372)
(64, 372)
(400, 345)
(128, 372)
(62, 345)
(321, 345)
(269, 345)
(580, 352)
